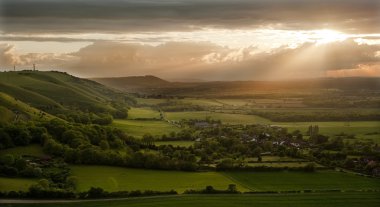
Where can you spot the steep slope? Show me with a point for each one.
(12, 109)
(57, 92)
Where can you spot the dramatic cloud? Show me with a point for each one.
(81, 16)
(10, 58)
(203, 60)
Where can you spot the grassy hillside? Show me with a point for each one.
(13, 109)
(56, 93)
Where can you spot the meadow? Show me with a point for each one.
(31, 150)
(139, 128)
(143, 113)
(348, 199)
(118, 179)
(175, 143)
(16, 184)
(320, 180)
(224, 117)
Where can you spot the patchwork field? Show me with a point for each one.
(138, 128)
(321, 180)
(117, 179)
(224, 117)
(362, 129)
(143, 113)
(357, 199)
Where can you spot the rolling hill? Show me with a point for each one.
(155, 85)
(30, 92)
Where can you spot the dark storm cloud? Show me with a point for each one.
(70, 16)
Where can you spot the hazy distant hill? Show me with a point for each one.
(134, 83)
(29, 92)
(155, 85)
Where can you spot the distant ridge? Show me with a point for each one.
(133, 82)
(154, 85)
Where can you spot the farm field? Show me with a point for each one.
(175, 143)
(359, 128)
(282, 164)
(138, 128)
(320, 180)
(348, 199)
(224, 117)
(143, 113)
(16, 184)
(33, 150)
(118, 179)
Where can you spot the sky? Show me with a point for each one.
(193, 39)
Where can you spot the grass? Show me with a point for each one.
(282, 164)
(359, 128)
(143, 113)
(138, 128)
(33, 150)
(116, 179)
(150, 101)
(15, 184)
(9, 104)
(224, 117)
(357, 199)
(175, 143)
(321, 180)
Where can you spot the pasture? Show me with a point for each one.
(143, 113)
(16, 184)
(32, 150)
(348, 199)
(224, 117)
(361, 129)
(118, 179)
(175, 143)
(138, 128)
(320, 180)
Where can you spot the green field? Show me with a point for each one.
(143, 113)
(16, 184)
(117, 179)
(359, 128)
(224, 117)
(138, 128)
(357, 199)
(33, 150)
(321, 180)
(175, 143)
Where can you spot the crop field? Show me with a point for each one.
(117, 179)
(175, 143)
(348, 199)
(138, 128)
(224, 117)
(16, 184)
(143, 113)
(33, 150)
(320, 180)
